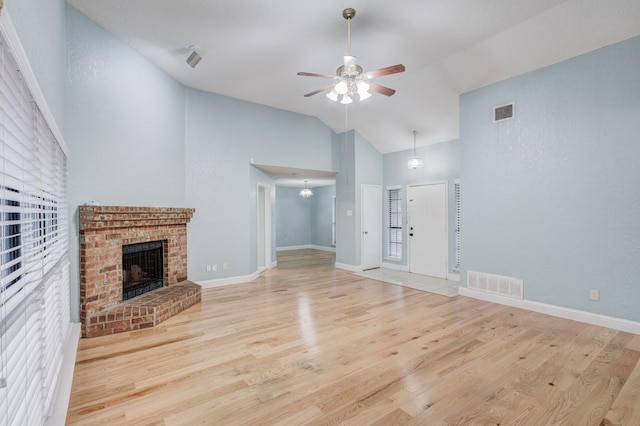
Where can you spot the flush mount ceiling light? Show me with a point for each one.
(306, 192)
(350, 80)
(415, 161)
(194, 58)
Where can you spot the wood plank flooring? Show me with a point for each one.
(308, 344)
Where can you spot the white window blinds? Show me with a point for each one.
(34, 273)
(394, 224)
(457, 201)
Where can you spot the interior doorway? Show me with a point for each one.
(264, 227)
(427, 229)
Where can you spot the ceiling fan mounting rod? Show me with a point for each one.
(348, 14)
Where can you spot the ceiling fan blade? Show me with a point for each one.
(313, 74)
(393, 69)
(381, 89)
(315, 92)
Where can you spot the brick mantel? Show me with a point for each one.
(110, 217)
(103, 232)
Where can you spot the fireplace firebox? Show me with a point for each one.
(142, 268)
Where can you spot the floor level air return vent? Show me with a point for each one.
(495, 284)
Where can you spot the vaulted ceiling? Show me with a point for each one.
(252, 50)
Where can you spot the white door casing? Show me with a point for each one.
(263, 237)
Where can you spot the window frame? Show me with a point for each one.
(36, 311)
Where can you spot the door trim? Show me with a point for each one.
(266, 226)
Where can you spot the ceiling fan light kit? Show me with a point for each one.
(350, 78)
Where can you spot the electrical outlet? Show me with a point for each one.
(224, 266)
(208, 268)
(214, 268)
(594, 294)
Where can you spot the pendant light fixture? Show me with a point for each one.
(306, 192)
(415, 161)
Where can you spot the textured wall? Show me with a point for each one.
(125, 127)
(293, 217)
(552, 196)
(302, 221)
(222, 136)
(41, 27)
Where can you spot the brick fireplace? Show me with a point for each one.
(104, 230)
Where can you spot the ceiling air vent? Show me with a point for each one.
(503, 112)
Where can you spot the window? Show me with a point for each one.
(394, 224)
(34, 272)
(456, 186)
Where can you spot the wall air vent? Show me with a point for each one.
(503, 112)
(496, 284)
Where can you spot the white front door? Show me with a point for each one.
(427, 229)
(371, 241)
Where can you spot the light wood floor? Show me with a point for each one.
(308, 344)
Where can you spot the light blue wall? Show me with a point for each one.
(223, 135)
(441, 162)
(322, 215)
(300, 221)
(358, 163)
(344, 159)
(125, 128)
(293, 217)
(552, 195)
(41, 26)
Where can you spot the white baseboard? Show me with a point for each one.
(60, 404)
(307, 246)
(229, 280)
(556, 311)
(395, 266)
(285, 248)
(274, 264)
(347, 267)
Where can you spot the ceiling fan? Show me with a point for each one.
(350, 79)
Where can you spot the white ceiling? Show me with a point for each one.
(252, 50)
